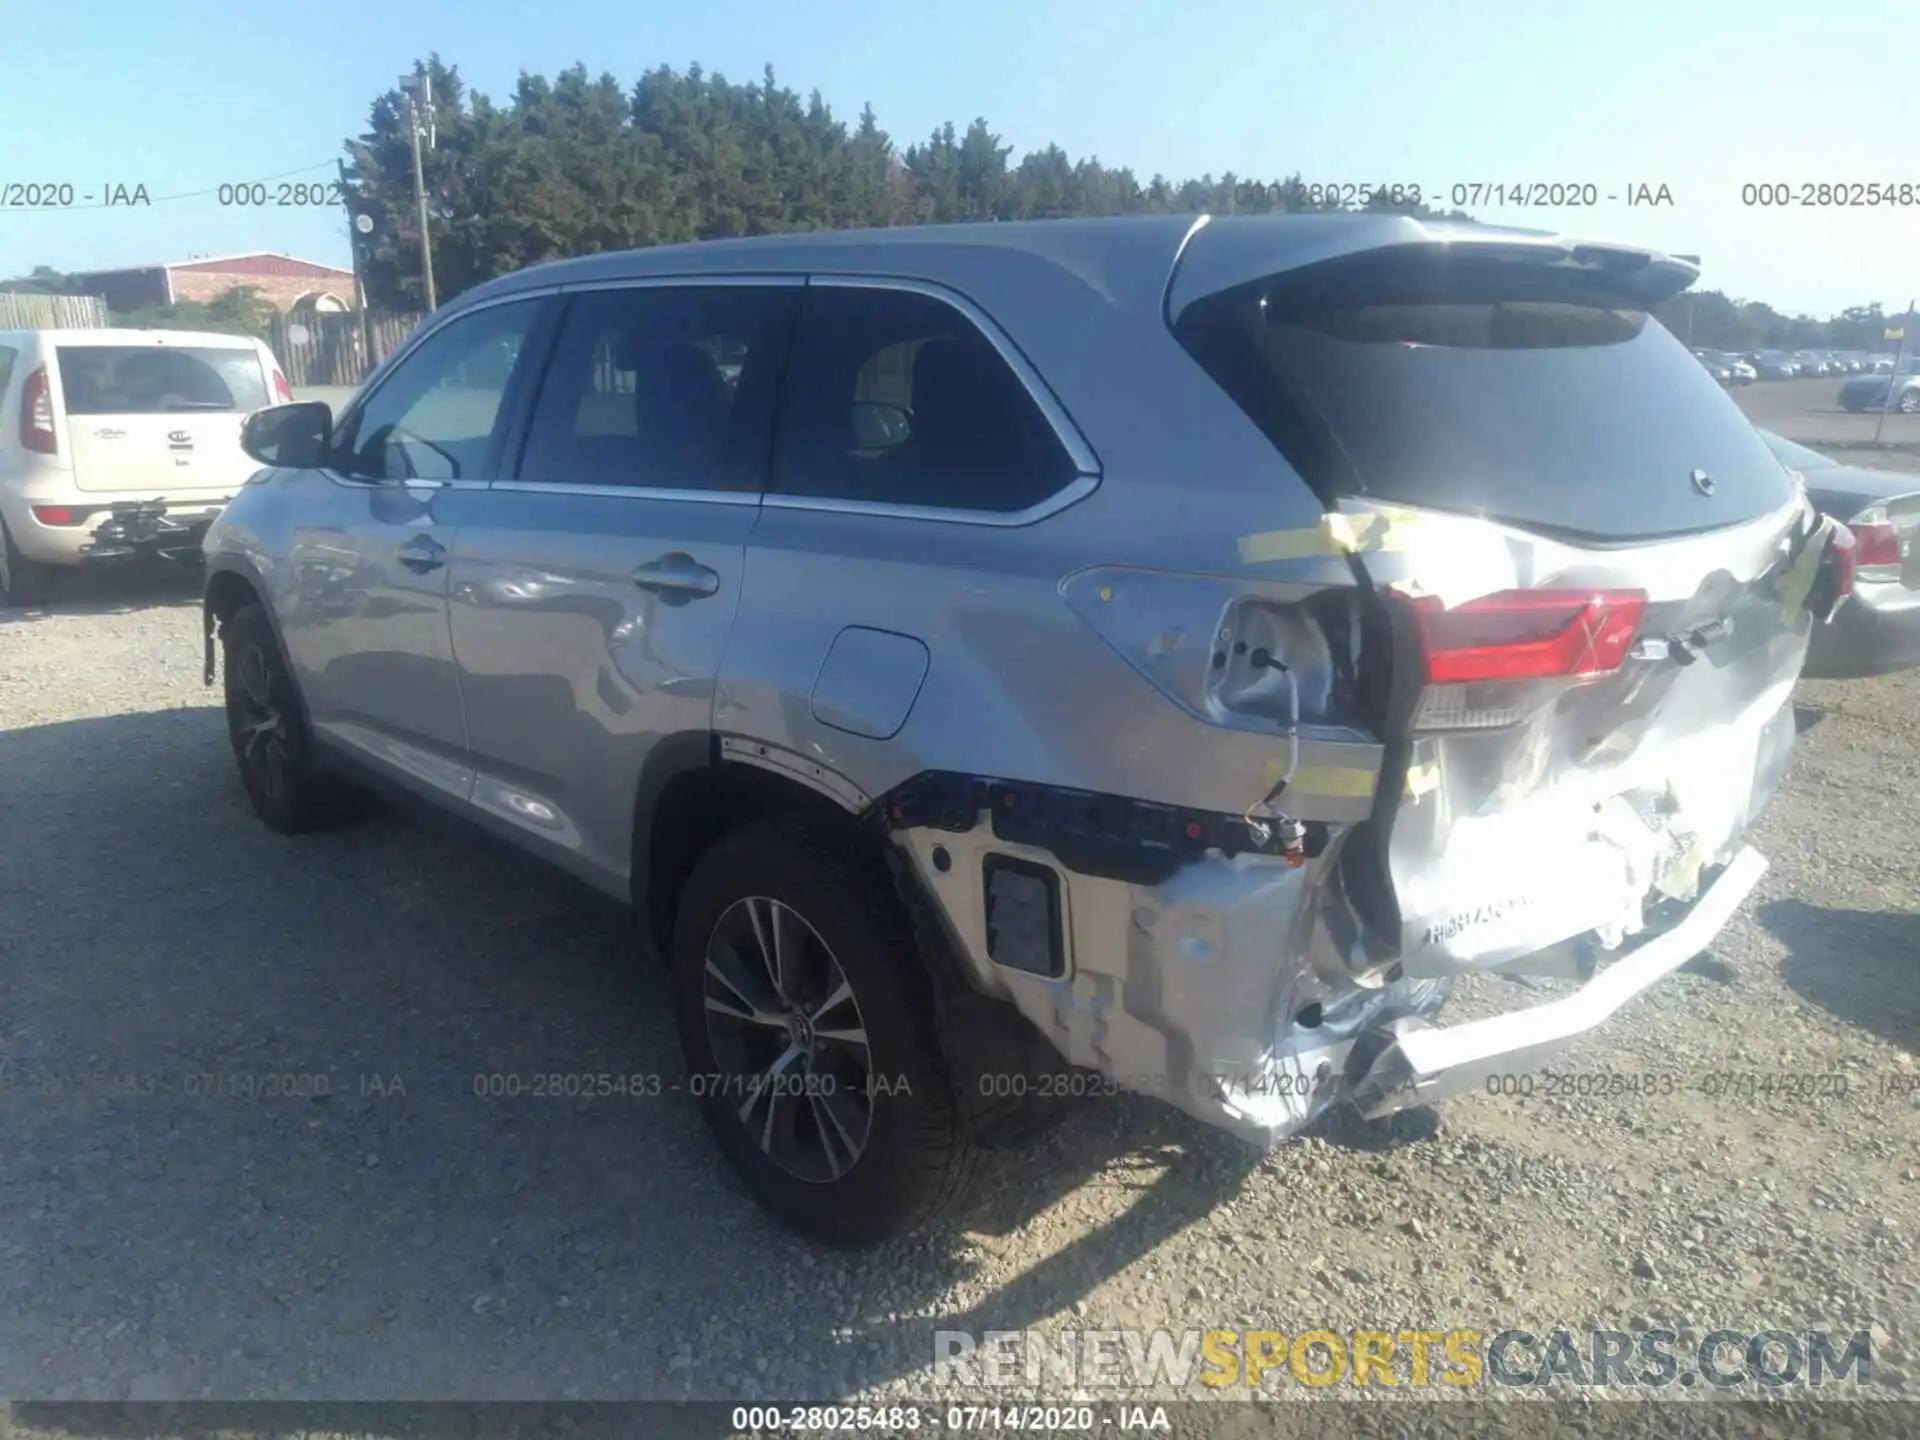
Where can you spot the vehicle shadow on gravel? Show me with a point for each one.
(118, 591)
(1861, 966)
(272, 1129)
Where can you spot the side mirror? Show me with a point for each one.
(879, 426)
(296, 437)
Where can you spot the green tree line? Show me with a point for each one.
(573, 165)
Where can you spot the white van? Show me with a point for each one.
(120, 443)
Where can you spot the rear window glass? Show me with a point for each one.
(1511, 390)
(159, 379)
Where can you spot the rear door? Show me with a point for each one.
(1588, 575)
(593, 592)
(160, 415)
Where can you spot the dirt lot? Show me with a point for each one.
(403, 1239)
(1809, 411)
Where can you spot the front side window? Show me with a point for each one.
(895, 397)
(663, 388)
(160, 379)
(439, 414)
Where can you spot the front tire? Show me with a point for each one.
(271, 742)
(808, 1023)
(23, 581)
(1910, 402)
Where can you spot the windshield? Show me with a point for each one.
(160, 379)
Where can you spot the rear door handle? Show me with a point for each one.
(423, 554)
(677, 573)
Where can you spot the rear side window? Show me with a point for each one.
(159, 379)
(894, 397)
(1501, 388)
(662, 387)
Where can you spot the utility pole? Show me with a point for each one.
(1900, 354)
(357, 232)
(418, 90)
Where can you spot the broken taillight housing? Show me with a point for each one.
(1528, 634)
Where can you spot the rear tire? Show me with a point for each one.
(271, 742)
(1910, 402)
(22, 581)
(856, 1141)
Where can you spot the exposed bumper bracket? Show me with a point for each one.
(1411, 1062)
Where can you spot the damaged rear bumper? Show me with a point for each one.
(1411, 1062)
(1243, 990)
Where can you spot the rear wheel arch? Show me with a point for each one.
(688, 799)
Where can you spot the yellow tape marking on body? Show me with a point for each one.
(1337, 533)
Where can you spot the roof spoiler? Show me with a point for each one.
(1221, 256)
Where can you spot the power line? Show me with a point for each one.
(162, 199)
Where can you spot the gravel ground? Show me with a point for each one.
(1809, 411)
(404, 1240)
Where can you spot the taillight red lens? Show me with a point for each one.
(1528, 634)
(281, 388)
(36, 414)
(1878, 545)
(58, 514)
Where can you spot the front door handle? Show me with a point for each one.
(677, 574)
(423, 554)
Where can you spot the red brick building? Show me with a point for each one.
(283, 282)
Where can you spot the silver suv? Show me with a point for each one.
(1013, 660)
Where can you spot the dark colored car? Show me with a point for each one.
(1878, 629)
(1869, 392)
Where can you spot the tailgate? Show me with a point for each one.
(1589, 579)
(155, 419)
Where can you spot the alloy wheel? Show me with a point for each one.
(788, 1039)
(261, 726)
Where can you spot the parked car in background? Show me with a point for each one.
(1810, 365)
(1716, 364)
(1775, 365)
(119, 443)
(999, 675)
(1881, 364)
(1878, 629)
(1870, 392)
(1741, 370)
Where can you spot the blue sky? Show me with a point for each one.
(1700, 97)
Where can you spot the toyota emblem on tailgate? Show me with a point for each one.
(1702, 482)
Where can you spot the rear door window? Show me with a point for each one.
(894, 397)
(1501, 388)
(160, 379)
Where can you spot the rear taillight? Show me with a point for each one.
(36, 414)
(59, 514)
(1528, 634)
(1881, 553)
(282, 389)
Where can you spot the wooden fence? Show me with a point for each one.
(331, 349)
(52, 312)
